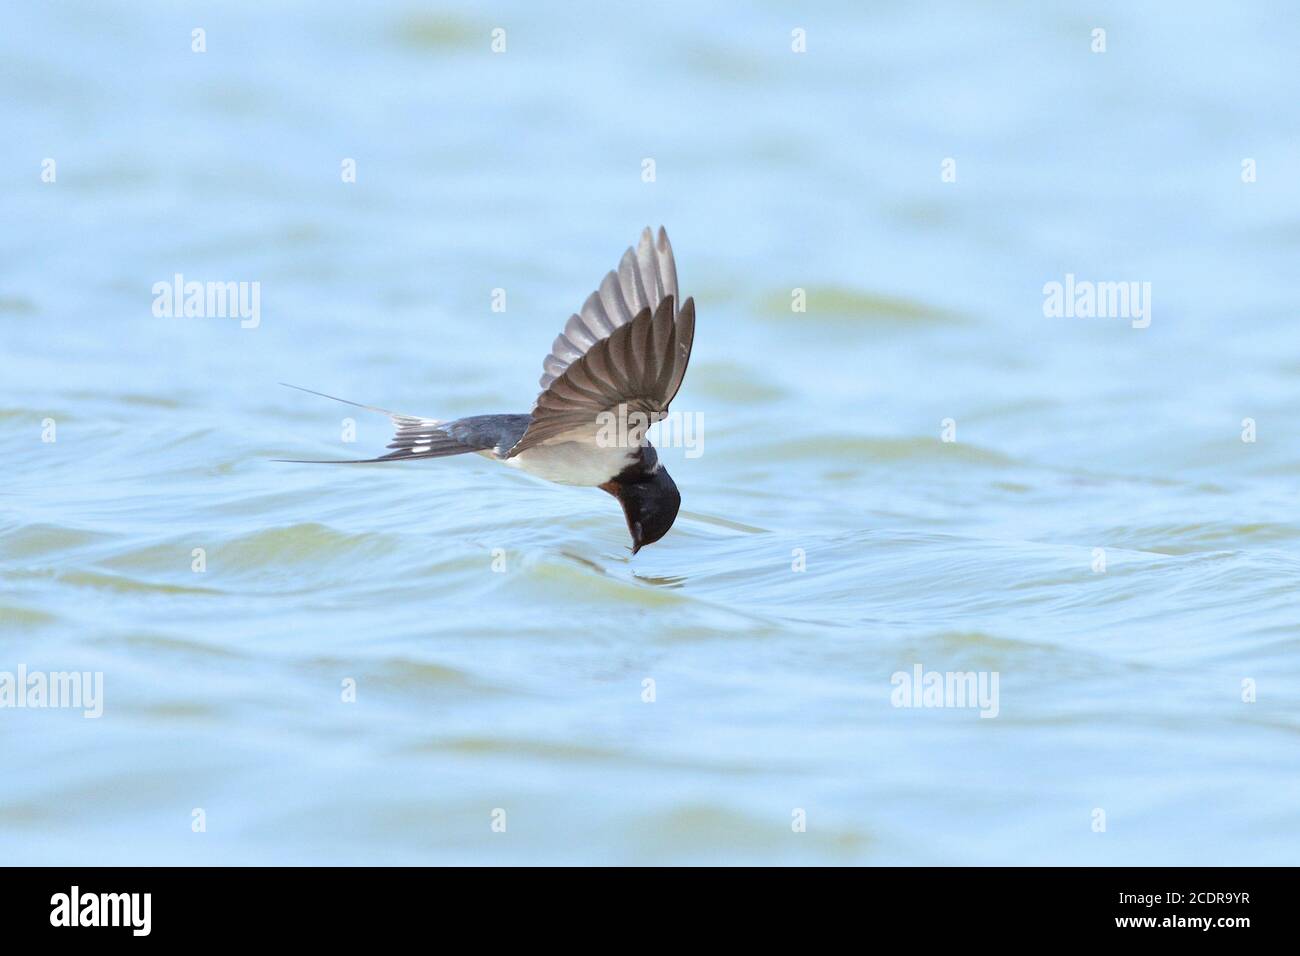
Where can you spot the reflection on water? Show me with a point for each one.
(367, 661)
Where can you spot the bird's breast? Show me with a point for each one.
(574, 462)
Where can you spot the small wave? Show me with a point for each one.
(125, 585)
(44, 540)
(1189, 538)
(841, 305)
(299, 544)
(711, 828)
(25, 617)
(730, 382)
(436, 32)
(825, 448)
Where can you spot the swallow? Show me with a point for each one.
(610, 374)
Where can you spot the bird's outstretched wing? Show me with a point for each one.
(627, 350)
(644, 278)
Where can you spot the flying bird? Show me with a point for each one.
(610, 374)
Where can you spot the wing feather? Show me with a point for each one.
(638, 367)
(628, 346)
(645, 277)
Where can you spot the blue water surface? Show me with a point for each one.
(1112, 530)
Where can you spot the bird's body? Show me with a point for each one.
(575, 462)
(610, 374)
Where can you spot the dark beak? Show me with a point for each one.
(635, 528)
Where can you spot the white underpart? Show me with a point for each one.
(577, 462)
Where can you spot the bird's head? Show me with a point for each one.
(650, 501)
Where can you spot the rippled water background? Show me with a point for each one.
(522, 690)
